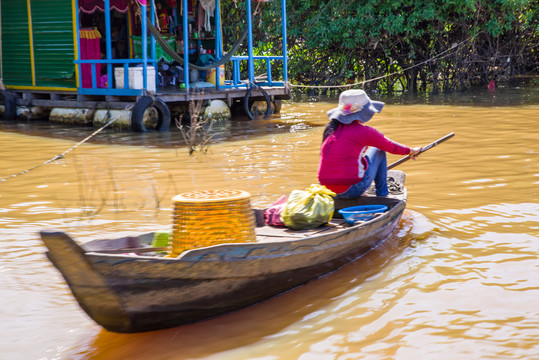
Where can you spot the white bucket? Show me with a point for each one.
(135, 78)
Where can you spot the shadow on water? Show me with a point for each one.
(505, 96)
(518, 93)
(237, 128)
(241, 128)
(257, 322)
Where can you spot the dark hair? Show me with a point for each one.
(330, 128)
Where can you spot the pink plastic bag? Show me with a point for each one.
(272, 215)
(103, 81)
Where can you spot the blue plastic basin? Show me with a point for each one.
(361, 213)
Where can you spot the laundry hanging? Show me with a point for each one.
(209, 9)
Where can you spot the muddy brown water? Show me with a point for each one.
(459, 278)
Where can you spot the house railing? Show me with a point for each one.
(110, 88)
(146, 60)
(236, 75)
(250, 57)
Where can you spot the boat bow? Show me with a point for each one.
(88, 286)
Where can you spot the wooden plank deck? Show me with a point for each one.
(71, 99)
(174, 94)
(274, 233)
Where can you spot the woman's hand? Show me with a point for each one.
(414, 152)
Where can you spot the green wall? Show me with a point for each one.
(53, 48)
(16, 64)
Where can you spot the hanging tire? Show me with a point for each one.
(10, 105)
(246, 102)
(145, 103)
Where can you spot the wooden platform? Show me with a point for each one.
(170, 95)
(274, 233)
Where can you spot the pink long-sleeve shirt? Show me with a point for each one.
(342, 161)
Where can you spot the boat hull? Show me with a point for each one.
(141, 293)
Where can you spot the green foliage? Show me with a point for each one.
(330, 42)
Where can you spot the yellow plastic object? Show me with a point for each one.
(210, 77)
(308, 209)
(211, 217)
(161, 238)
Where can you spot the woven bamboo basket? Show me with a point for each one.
(211, 217)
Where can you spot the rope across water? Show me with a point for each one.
(61, 156)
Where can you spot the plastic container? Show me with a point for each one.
(161, 238)
(135, 78)
(361, 213)
(211, 76)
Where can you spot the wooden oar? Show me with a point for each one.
(425, 148)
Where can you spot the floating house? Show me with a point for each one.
(92, 60)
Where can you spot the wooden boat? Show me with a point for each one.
(134, 293)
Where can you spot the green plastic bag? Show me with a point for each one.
(308, 209)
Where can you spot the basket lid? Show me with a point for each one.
(204, 196)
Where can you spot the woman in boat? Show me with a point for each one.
(353, 155)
